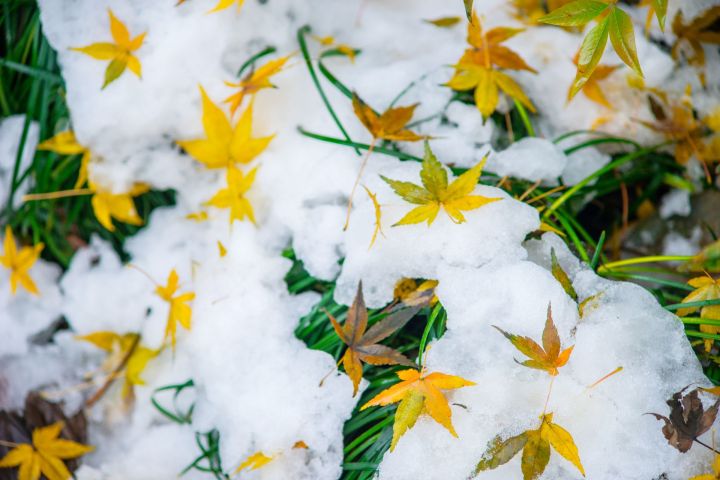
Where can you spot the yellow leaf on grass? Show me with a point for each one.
(120, 206)
(233, 196)
(436, 193)
(255, 81)
(45, 455)
(65, 143)
(180, 312)
(418, 393)
(19, 262)
(120, 53)
(706, 288)
(224, 146)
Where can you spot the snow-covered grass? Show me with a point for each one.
(254, 371)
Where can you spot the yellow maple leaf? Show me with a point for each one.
(477, 68)
(223, 4)
(435, 192)
(180, 312)
(120, 53)
(418, 393)
(225, 146)
(550, 357)
(253, 462)
(233, 197)
(388, 126)
(255, 81)
(19, 262)
(65, 143)
(706, 288)
(45, 455)
(118, 348)
(535, 445)
(120, 206)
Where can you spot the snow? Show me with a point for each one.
(531, 158)
(677, 202)
(255, 382)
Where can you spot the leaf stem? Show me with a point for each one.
(639, 260)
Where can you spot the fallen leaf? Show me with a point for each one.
(410, 293)
(691, 36)
(120, 53)
(362, 344)
(255, 81)
(436, 193)
(706, 288)
(444, 22)
(418, 393)
(118, 347)
(388, 126)
(550, 357)
(688, 419)
(225, 146)
(45, 455)
(561, 276)
(19, 262)
(233, 196)
(536, 447)
(65, 143)
(180, 312)
(120, 206)
(223, 4)
(254, 462)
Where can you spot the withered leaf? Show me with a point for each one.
(363, 344)
(688, 419)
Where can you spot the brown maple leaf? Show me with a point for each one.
(549, 357)
(363, 344)
(688, 419)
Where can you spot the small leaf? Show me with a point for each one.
(444, 22)
(660, 7)
(499, 452)
(562, 277)
(536, 455)
(575, 14)
(591, 52)
(468, 9)
(622, 36)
